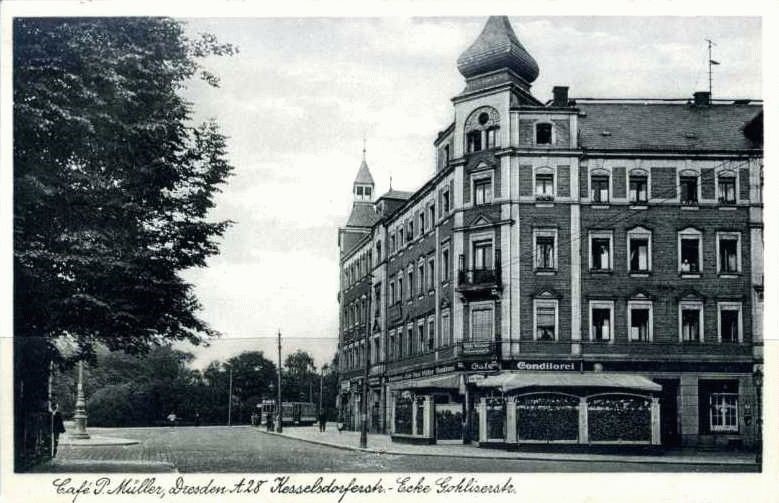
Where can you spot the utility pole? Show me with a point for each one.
(230, 400)
(364, 395)
(279, 428)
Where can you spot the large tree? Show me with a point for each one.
(113, 184)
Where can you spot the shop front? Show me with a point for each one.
(427, 410)
(549, 408)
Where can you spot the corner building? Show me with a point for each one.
(578, 272)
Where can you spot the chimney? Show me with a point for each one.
(702, 98)
(560, 96)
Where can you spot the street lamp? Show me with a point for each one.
(367, 352)
(80, 414)
(321, 385)
(757, 377)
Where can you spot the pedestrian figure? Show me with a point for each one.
(197, 418)
(269, 421)
(58, 426)
(172, 418)
(322, 421)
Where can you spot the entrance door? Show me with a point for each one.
(669, 412)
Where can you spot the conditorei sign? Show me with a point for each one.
(547, 365)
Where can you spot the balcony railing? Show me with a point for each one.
(480, 279)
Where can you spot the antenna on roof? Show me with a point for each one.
(711, 62)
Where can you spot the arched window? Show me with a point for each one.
(481, 129)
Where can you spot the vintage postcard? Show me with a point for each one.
(355, 255)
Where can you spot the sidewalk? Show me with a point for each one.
(382, 444)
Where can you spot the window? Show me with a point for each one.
(474, 141)
(639, 250)
(421, 277)
(392, 243)
(430, 334)
(378, 251)
(729, 323)
(729, 252)
(431, 273)
(400, 286)
(392, 297)
(691, 321)
(726, 189)
(545, 187)
(377, 296)
(690, 253)
(599, 189)
(545, 312)
(600, 251)
(481, 323)
(601, 321)
(410, 230)
(492, 135)
(391, 345)
(422, 227)
(445, 202)
(421, 346)
(482, 190)
(431, 212)
(446, 155)
(445, 265)
(638, 192)
(401, 243)
(446, 333)
(688, 190)
(410, 282)
(544, 133)
(639, 321)
(718, 405)
(409, 340)
(482, 255)
(545, 253)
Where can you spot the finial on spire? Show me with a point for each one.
(363, 146)
(390, 182)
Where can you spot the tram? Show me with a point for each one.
(295, 413)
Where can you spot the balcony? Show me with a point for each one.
(480, 282)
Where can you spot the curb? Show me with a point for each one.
(531, 457)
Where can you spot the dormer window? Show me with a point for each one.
(543, 133)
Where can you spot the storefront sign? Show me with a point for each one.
(483, 365)
(476, 348)
(445, 369)
(374, 381)
(546, 365)
(345, 386)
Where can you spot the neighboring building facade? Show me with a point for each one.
(575, 272)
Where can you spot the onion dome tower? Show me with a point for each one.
(496, 57)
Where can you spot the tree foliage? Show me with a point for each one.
(112, 181)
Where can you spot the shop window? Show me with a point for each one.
(726, 189)
(482, 323)
(601, 321)
(545, 187)
(690, 253)
(403, 414)
(638, 189)
(691, 321)
(599, 189)
(718, 405)
(729, 321)
(600, 251)
(419, 425)
(545, 320)
(613, 418)
(728, 253)
(449, 421)
(640, 321)
(545, 253)
(482, 190)
(496, 418)
(688, 190)
(544, 133)
(547, 417)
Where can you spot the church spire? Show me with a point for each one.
(363, 182)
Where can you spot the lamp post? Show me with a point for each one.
(279, 428)
(230, 399)
(757, 376)
(80, 415)
(321, 385)
(364, 394)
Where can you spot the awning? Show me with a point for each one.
(508, 382)
(451, 381)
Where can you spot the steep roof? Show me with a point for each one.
(364, 174)
(396, 194)
(665, 126)
(497, 47)
(363, 215)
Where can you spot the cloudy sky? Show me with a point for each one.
(298, 98)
